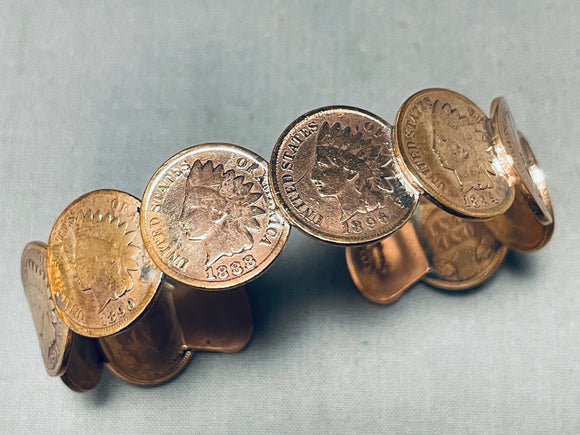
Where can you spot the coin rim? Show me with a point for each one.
(104, 331)
(508, 220)
(183, 278)
(286, 209)
(133, 379)
(497, 104)
(425, 188)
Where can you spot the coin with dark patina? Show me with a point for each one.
(54, 336)
(444, 141)
(100, 274)
(208, 217)
(335, 176)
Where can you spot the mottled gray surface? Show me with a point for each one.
(98, 94)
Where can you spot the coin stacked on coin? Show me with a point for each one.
(139, 286)
(440, 196)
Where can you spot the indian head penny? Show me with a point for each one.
(444, 141)
(100, 274)
(209, 219)
(517, 159)
(335, 176)
(54, 336)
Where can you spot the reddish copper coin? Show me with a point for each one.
(213, 321)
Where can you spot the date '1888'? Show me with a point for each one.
(235, 268)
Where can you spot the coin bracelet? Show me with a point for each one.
(139, 286)
(344, 176)
(106, 286)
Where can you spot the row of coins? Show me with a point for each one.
(157, 345)
(440, 197)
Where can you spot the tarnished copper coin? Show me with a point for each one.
(335, 176)
(525, 227)
(54, 336)
(151, 351)
(444, 141)
(462, 253)
(100, 275)
(519, 159)
(208, 217)
(85, 365)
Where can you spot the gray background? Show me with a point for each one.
(99, 94)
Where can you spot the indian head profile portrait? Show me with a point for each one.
(358, 173)
(220, 210)
(462, 148)
(103, 257)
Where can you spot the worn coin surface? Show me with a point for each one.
(54, 336)
(209, 219)
(519, 159)
(525, 227)
(151, 351)
(335, 176)
(100, 274)
(444, 141)
(462, 253)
